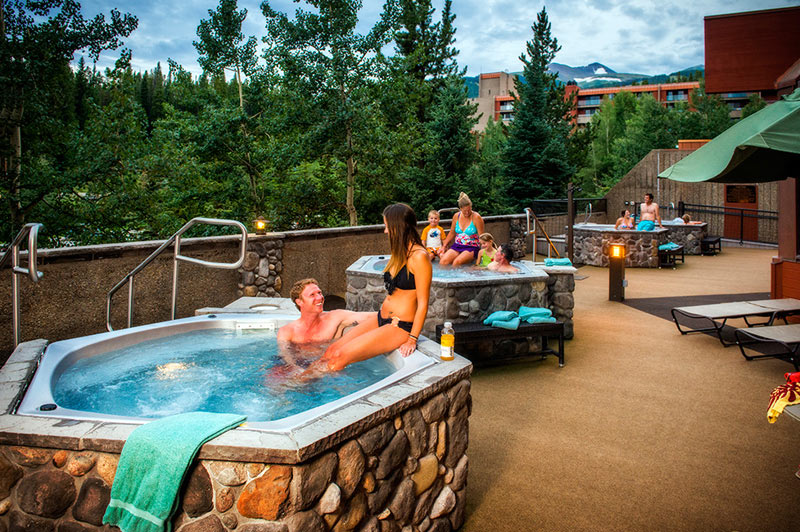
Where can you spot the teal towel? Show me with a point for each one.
(541, 319)
(668, 246)
(646, 225)
(526, 313)
(558, 262)
(512, 324)
(153, 463)
(500, 315)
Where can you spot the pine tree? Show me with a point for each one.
(536, 153)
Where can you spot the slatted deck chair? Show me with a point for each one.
(787, 336)
(718, 314)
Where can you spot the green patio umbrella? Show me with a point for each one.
(763, 147)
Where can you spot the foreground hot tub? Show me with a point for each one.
(161, 341)
(395, 451)
(465, 294)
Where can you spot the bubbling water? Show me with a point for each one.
(212, 370)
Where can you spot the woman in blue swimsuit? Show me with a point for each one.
(408, 282)
(462, 244)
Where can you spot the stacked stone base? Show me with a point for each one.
(406, 473)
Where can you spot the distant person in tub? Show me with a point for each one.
(649, 214)
(315, 325)
(461, 245)
(408, 282)
(624, 221)
(501, 261)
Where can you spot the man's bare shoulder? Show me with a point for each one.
(286, 333)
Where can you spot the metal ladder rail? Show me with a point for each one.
(588, 212)
(129, 278)
(32, 230)
(528, 215)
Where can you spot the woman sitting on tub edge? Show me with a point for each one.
(407, 277)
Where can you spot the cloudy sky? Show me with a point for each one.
(632, 36)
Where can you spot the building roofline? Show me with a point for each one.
(748, 13)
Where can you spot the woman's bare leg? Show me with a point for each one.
(449, 256)
(375, 342)
(465, 257)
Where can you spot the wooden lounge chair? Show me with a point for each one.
(787, 336)
(718, 314)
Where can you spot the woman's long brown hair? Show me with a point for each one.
(402, 225)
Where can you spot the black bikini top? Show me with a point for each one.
(404, 280)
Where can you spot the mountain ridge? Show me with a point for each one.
(597, 75)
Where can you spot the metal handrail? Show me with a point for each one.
(32, 230)
(588, 211)
(528, 215)
(447, 209)
(177, 239)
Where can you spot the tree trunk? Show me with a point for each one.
(351, 178)
(15, 201)
(239, 83)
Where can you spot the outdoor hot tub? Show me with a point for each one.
(591, 241)
(463, 294)
(399, 443)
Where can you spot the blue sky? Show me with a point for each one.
(635, 36)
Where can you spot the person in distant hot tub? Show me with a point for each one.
(399, 322)
(624, 221)
(650, 214)
(501, 261)
(462, 245)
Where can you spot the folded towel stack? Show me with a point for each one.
(668, 246)
(558, 262)
(152, 465)
(508, 319)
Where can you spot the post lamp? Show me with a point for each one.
(616, 272)
(261, 225)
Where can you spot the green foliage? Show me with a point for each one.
(536, 153)
(38, 41)
(222, 44)
(755, 103)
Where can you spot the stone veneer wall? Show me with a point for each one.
(262, 267)
(366, 292)
(406, 473)
(689, 236)
(591, 247)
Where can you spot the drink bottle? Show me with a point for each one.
(448, 341)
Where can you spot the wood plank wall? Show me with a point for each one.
(642, 179)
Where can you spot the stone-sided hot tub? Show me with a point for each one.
(591, 243)
(464, 294)
(394, 455)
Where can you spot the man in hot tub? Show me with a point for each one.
(649, 214)
(315, 325)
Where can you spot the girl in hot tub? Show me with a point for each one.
(408, 282)
(501, 263)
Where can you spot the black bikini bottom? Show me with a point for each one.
(405, 325)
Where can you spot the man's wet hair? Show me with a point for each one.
(650, 195)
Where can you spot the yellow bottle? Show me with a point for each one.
(448, 341)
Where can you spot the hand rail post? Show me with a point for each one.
(741, 227)
(32, 231)
(175, 238)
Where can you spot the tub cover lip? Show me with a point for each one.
(609, 228)
(536, 273)
(243, 444)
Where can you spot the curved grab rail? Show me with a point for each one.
(588, 211)
(530, 215)
(176, 238)
(447, 209)
(32, 230)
